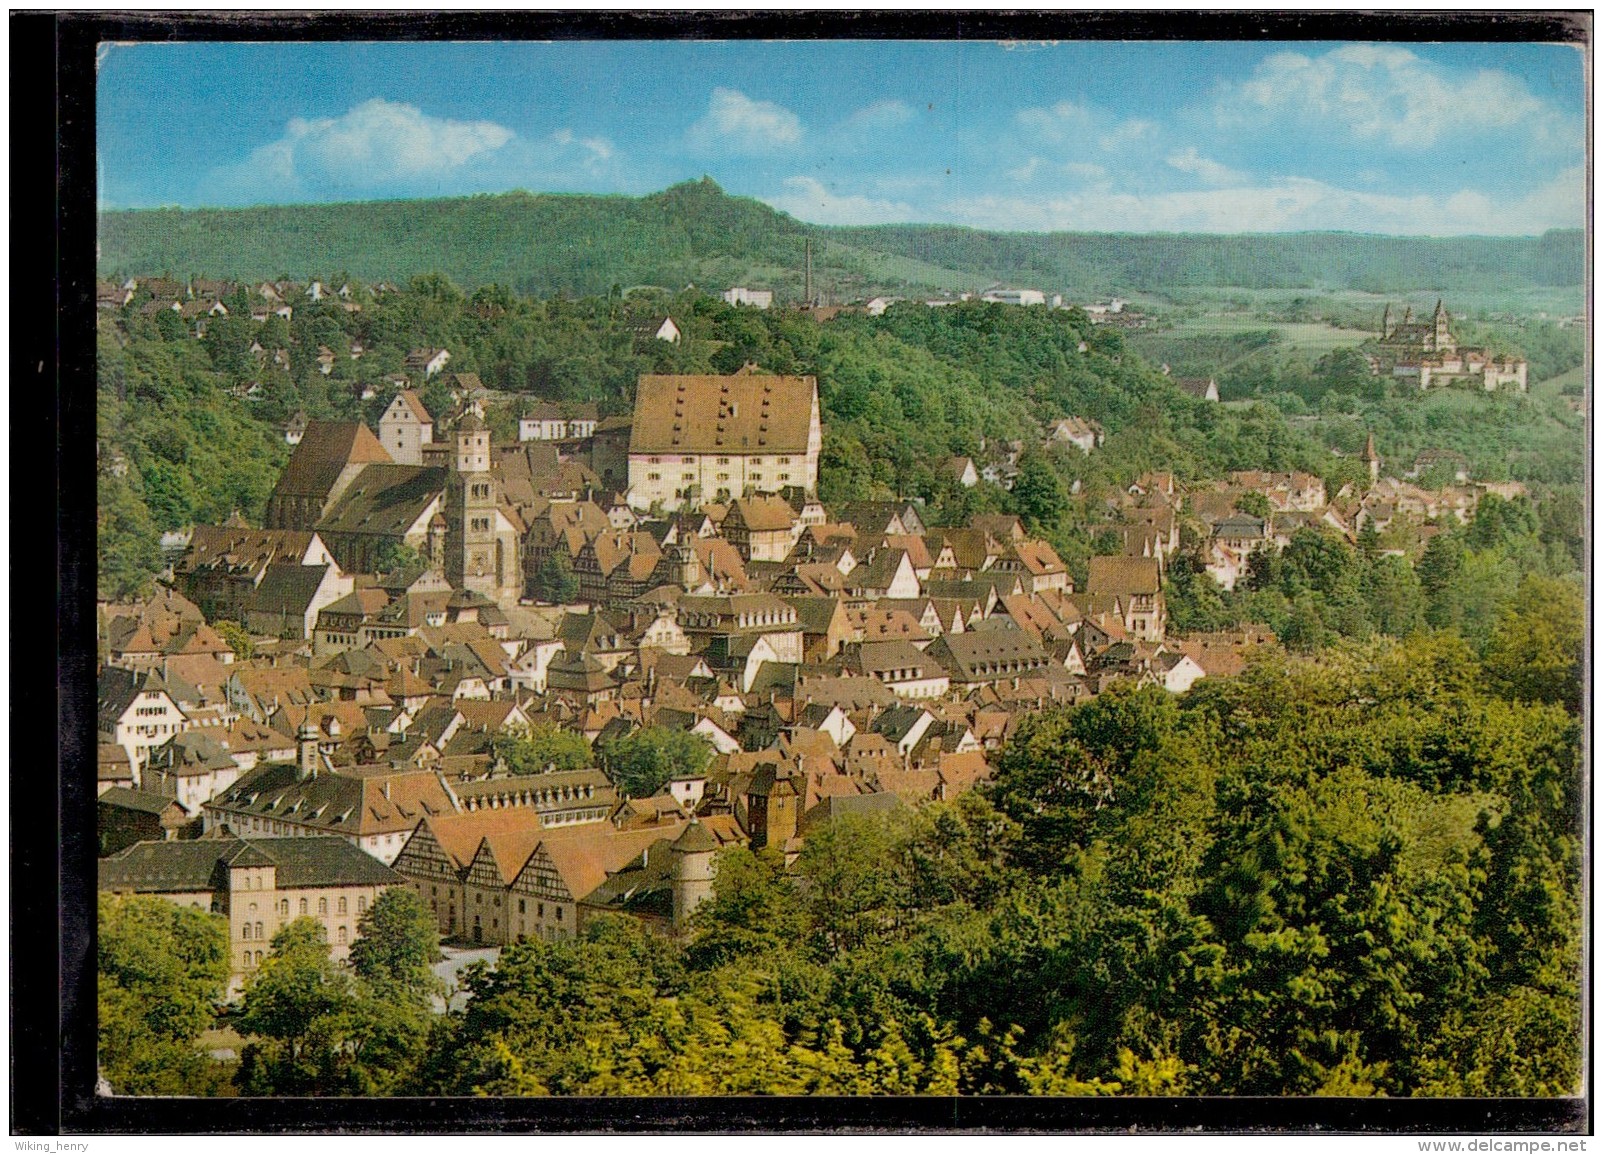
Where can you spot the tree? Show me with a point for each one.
(237, 637)
(1038, 492)
(754, 911)
(554, 581)
(163, 969)
(295, 1004)
(397, 942)
(542, 749)
(318, 1030)
(643, 761)
(396, 555)
(1254, 504)
(1537, 648)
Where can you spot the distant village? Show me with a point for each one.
(419, 593)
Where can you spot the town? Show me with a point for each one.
(665, 574)
(466, 671)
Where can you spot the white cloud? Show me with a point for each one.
(1205, 170)
(1070, 124)
(1064, 122)
(879, 115)
(597, 151)
(1027, 170)
(736, 121)
(376, 144)
(1387, 93)
(810, 200)
(1291, 205)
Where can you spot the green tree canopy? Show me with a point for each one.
(163, 970)
(643, 761)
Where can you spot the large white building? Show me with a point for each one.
(756, 298)
(707, 438)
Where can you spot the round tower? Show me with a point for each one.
(691, 873)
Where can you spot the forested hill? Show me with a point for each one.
(695, 233)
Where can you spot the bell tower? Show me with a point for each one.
(471, 544)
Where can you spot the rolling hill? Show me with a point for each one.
(696, 233)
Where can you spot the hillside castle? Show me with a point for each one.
(1425, 352)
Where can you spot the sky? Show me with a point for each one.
(1221, 137)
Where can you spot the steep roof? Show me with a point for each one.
(384, 499)
(763, 514)
(410, 399)
(1123, 575)
(325, 450)
(744, 413)
(287, 588)
(237, 548)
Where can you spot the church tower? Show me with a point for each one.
(1443, 339)
(1372, 459)
(474, 555)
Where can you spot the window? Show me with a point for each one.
(253, 908)
(559, 914)
(539, 910)
(322, 906)
(258, 958)
(361, 904)
(723, 461)
(244, 931)
(784, 461)
(303, 906)
(342, 905)
(342, 936)
(259, 933)
(522, 906)
(283, 908)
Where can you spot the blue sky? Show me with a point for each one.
(1091, 136)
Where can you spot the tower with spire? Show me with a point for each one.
(1372, 459)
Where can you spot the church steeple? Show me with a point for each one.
(476, 557)
(1372, 459)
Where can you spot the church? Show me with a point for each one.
(343, 484)
(1426, 353)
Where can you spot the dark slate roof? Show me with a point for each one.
(979, 655)
(384, 499)
(287, 588)
(695, 839)
(200, 864)
(140, 800)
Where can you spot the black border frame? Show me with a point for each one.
(52, 889)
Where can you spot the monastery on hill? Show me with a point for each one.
(1427, 353)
